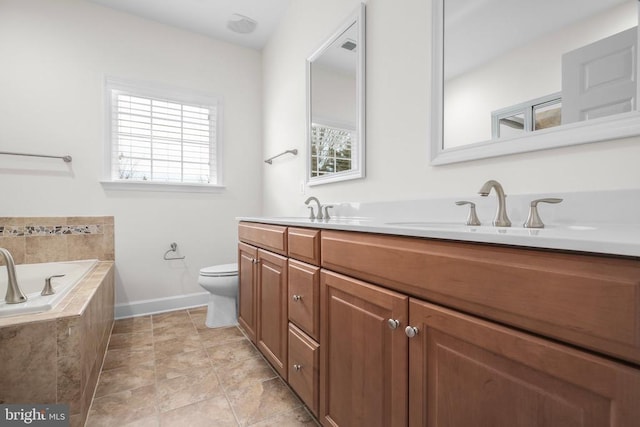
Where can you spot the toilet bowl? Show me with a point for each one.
(222, 283)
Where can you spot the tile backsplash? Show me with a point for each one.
(49, 239)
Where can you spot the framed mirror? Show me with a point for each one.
(336, 105)
(512, 76)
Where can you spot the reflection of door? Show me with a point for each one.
(599, 79)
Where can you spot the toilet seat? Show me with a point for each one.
(223, 270)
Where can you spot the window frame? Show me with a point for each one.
(178, 95)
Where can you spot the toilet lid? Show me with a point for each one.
(220, 270)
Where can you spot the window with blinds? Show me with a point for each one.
(163, 139)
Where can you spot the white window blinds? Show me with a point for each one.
(162, 140)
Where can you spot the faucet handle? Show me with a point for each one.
(533, 220)
(472, 219)
(48, 289)
(326, 212)
(312, 214)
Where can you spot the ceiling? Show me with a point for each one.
(209, 17)
(478, 30)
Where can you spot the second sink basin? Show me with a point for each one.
(429, 224)
(488, 228)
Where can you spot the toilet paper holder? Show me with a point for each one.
(173, 247)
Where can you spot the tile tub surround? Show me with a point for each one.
(49, 239)
(56, 356)
(169, 369)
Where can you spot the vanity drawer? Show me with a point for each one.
(304, 360)
(270, 237)
(588, 300)
(304, 244)
(304, 297)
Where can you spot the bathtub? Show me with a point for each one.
(31, 279)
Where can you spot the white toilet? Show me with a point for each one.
(222, 283)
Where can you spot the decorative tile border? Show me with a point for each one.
(49, 230)
(51, 239)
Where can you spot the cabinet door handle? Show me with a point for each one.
(393, 323)
(255, 261)
(296, 297)
(411, 331)
(297, 367)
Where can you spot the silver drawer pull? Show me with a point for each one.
(411, 331)
(296, 297)
(393, 323)
(297, 367)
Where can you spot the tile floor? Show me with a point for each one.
(171, 370)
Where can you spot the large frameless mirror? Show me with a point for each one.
(513, 76)
(336, 105)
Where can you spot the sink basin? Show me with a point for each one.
(332, 220)
(490, 229)
(428, 224)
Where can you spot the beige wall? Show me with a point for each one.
(398, 114)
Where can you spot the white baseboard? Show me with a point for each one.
(160, 305)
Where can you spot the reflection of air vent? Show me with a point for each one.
(349, 45)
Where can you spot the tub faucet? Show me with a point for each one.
(501, 219)
(14, 293)
(314, 199)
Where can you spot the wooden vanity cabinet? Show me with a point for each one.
(304, 314)
(500, 336)
(263, 308)
(271, 331)
(470, 369)
(363, 362)
(586, 300)
(247, 286)
(469, 372)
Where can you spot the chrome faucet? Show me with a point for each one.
(14, 293)
(314, 199)
(501, 219)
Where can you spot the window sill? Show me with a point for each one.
(161, 186)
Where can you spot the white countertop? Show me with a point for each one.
(597, 238)
(598, 222)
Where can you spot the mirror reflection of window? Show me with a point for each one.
(331, 149)
(528, 116)
(547, 115)
(511, 126)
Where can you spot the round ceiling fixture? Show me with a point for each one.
(241, 24)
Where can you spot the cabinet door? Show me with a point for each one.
(470, 372)
(363, 376)
(272, 309)
(247, 316)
